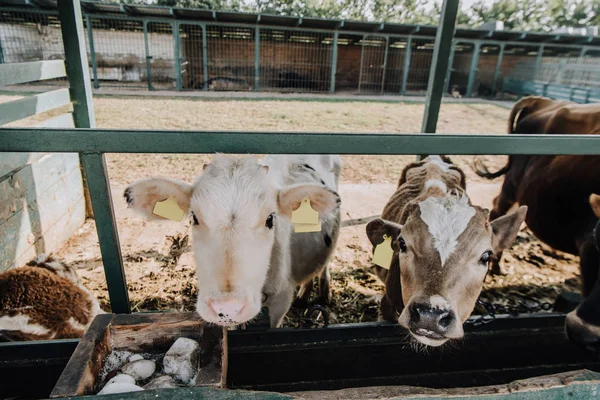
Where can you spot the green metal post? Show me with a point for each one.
(538, 62)
(106, 227)
(88, 23)
(257, 58)
(439, 65)
(334, 57)
(406, 68)
(385, 60)
(362, 56)
(450, 69)
(497, 70)
(204, 57)
(148, 57)
(76, 63)
(95, 176)
(177, 55)
(473, 69)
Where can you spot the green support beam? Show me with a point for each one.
(148, 57)
(334, 59)
(450, 69)
(497, 69)
(88, 24)
(439, 65)
(177, 55)
(76, 63)
(385, 60)
(108, 236)
(257, 58)
(204, 58)
(406, 68)
(473, 69)
(95, 175)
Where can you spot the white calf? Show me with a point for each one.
(242, 234)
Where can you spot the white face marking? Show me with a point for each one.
(446, 218)
(437, 161)
(21, 323)
(436, 183)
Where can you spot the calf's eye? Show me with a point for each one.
(195, 219)
(485, 258)
(269, 222)
(402, 244)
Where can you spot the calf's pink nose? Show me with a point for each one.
(227, 309)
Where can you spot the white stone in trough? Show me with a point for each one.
(162, 382)
(120, 387)
(140, 369)
(181, 361)
(135, 357)
(121, 378)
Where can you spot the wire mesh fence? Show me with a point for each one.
(230, 52)
(161, 55)
(420, 64)
(119, 53)
(192, 56)
(461, 66)
(394, 67)
(31, 36)
(295, 60)
(139, 53)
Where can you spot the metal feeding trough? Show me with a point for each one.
(141, 333)
(507, 355)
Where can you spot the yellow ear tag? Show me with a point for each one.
(305, 214)
(169, 209)
(383, 253)
(305, 219)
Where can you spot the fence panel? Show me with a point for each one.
(420, 64)
(161, 53)
(486, 67)
(31, 36)
(230, 57)
(295, 60)
(119, 53)
(348, 63)
(394, 67)
(192, 59)
(372, 64)
(459, 75)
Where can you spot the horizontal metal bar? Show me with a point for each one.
(32, 105)
(15, 73)
(189, 142)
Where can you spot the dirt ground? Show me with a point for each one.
(160, 268)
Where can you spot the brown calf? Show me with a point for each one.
(442, 248)
(44, 300)
(557, 190)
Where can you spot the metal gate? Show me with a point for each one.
(192, 53)
(230, 58)
(160, 55)
(373, 61)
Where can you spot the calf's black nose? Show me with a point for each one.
(429, 321)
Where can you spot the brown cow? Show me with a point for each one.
(556, 189)
(44, 300)
(442, 248)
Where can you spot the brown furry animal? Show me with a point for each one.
(44, 300)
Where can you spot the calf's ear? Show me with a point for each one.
(595, 203)
(506, 228)
(322, 199)
(377, 228)
(143, 195)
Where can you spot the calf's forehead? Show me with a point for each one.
(448, 226)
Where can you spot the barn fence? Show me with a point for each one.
(143, 53)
